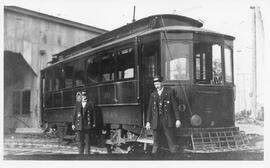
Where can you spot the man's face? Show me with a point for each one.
(78, 98)
(158, 85)
(83, 98)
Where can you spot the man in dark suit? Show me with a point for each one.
(83, 121)
(162, 115)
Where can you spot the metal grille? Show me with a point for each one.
(219, 141)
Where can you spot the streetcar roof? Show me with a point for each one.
(148, 32)
(143, 24)
(188, 29)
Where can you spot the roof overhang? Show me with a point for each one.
(16, 61)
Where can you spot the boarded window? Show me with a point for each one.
(26, 95)
(21, 102)
(16, 102)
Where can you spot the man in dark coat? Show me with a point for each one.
(83, 121)
(162, 115)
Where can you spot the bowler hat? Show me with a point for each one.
(157, 79)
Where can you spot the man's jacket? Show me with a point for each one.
(170, 112)
(84, 118)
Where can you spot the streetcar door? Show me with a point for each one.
(150, 63)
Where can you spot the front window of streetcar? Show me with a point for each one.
(208, 63)
(177, 60)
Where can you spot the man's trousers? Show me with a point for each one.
(84, 141)
(163, 130)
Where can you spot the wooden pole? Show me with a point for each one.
(254, 64)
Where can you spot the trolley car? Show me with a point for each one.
(117, 69)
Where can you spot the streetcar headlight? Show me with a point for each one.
(196, 120)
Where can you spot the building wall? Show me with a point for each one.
(37, 40)
(22, 79)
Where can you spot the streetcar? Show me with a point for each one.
(117, 68)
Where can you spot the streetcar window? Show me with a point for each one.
(92, 70)
(79, 73)
(176, 61)
(107, 66)
(228, 64)
(208, 66)
(125, 63)
(150, 55)
(57, 100)
(49, 80)
(43, 90)
(68, 69)
(58, 78)
(216, 64)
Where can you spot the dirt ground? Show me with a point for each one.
(254, 130)
(19, 144)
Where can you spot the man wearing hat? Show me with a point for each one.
(162, 115)
(83, 121)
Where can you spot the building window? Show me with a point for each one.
(16, 102)
(21, 102)
(26, 97)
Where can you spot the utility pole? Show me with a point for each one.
(254, 64)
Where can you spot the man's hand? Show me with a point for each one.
(178, 123)
(73, 127)
(148, 126)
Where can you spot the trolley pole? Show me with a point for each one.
(254, 64)
(134, 11)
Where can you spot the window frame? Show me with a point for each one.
(64, 74)
(121, 48)
(211, 42)
(93, 56)
(75, 62)
(188, 62)
(20, 102)
(231, 67)
(26, 102)
(103, 54)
